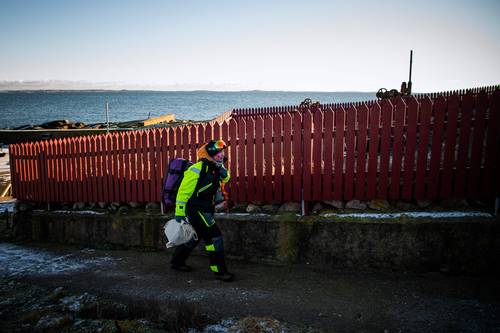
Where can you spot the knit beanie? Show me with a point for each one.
(215, 146)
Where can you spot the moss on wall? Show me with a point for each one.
(288, 242)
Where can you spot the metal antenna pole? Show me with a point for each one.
(409, 80)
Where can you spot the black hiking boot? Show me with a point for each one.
(226, 277)
(181, 268)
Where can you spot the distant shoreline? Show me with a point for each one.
(173, 91)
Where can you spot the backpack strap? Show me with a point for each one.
(204, 167)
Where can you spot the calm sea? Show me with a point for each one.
(37, 107)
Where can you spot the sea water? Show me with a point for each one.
(18, 108)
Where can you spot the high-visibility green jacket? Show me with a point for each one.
(198, 187)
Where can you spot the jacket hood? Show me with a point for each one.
(202, 153)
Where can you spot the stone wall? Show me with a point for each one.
(462, 245)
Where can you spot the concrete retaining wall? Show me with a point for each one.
(470, 245)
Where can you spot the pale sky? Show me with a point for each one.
(241, 45)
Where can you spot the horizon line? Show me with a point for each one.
(187, 90)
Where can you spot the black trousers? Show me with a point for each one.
(209, 232)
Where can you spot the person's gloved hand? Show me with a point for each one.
(180, 218)
(222, 171)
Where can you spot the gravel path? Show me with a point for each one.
(307, 297)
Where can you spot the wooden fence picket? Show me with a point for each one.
(128, 173)
(224, 132)
(31, 171)
(66, 170)
(339, 153)
(216, 131)
(268, 158)
(27, 172)
(329, 120)
(73, 171)
(385, 149)
(374, 128)
(277, 158)
(133, 166)
(13, 170)
(259, 159)
(40, 161)
(178, 142)
(250, 161)
(77, 149)
(449, 146)
(117, 166)
(145, 167)
(287, 157)
(57, 171)
(492, 150)
(233, 160)
(159, 167)
(297, 156)
(87, 169)
(350, 142)
(139, 167)
(317, 158)
(208, 133)
(20, 167)
(242, 177)
(102, 185)
(437, 131)
(152, 197)
(120, 168)
(477, 145)
(110, 154)
(307, 123)
(397, 148)
(362, 121)
(423, 144)
(410, 148)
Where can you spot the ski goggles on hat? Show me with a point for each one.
(219, 145)
(215, 146)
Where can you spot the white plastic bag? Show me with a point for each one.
(178, 233)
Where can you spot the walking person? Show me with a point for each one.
(195, 201)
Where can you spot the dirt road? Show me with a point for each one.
(302, 296)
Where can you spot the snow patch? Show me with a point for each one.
(242, 214)
(235, 293)
(432, 215)
(223, 327)
(76, 303)
(247, 324)
(82, 212)
(7, 205)
(17, 260)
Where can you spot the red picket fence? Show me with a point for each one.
(413, 148)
